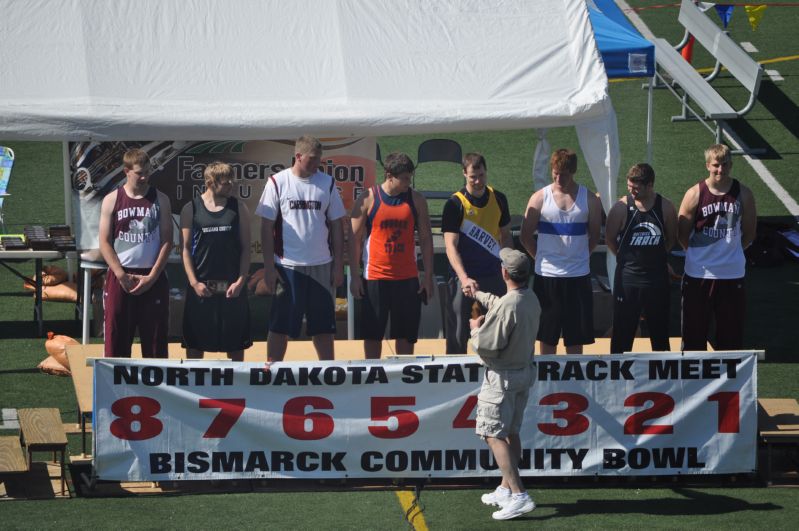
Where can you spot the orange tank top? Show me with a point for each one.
(390, 250)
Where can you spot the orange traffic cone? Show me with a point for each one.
(688, 50)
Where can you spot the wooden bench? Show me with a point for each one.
(41, 430)
(777, 424)
(698, 89)
(12, 460)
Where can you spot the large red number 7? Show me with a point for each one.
(407, 421)
(230, 409)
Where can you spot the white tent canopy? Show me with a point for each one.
(266, 69)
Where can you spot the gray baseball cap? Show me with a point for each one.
(515, 262)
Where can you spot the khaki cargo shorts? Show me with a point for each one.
(501, 402)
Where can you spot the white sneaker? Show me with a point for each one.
(497, 498)
(517, 506)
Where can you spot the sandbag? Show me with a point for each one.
(53, 275)
(50, 365)
(64, 292)
(56, 346)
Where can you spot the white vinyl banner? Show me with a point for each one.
(647, 414)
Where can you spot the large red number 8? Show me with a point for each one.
(294, 417)
(147, 408)
(575, 423)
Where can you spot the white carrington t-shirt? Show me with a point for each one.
(304, 204)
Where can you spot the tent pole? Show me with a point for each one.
(649, 113)
(71, 257)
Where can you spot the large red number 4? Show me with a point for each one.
(407, 421)
(136, 409)
(662, 405)
(230, 409)
(729, 411)
(575, 422)
(295, 418)
(462, 419)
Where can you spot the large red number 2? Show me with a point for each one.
(729, 411)
(575, 423)
(407, 421)
(295, 417)
(662, 405)
(230, 409)
(144, 415)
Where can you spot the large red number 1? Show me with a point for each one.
(295, 417)
(575, 422)
(230, 409)
(729, 411)
(136, 409)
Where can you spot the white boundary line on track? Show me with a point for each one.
(756, 164)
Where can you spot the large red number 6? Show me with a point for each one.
(407, 421)
(575, 422)
(146, 409)
(295, 418)
(230, 409)
(662, 405)
(729, 411)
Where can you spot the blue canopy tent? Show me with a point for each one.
(624, 51)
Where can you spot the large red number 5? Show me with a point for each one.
(662, 405)
(295, 418)
(230, 409)
(407, 421)
(136, 409)
(729, 411)
(575, 422)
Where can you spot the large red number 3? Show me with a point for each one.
(136, 411)
(407, 421)
(662, 405)
(230, 409)
(295, 418)
(575, 422)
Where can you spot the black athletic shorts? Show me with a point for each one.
(567, 309)
(216, 323)
(398, 299)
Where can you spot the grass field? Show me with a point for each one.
(37, 188)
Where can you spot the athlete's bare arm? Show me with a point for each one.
(669, 224)
(360, 211)
(594, 221)
(425, 242)
(685, 219)
(614, 224)
(748, 217)
(532, 214)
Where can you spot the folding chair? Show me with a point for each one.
(439, 150)
(6, 163)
